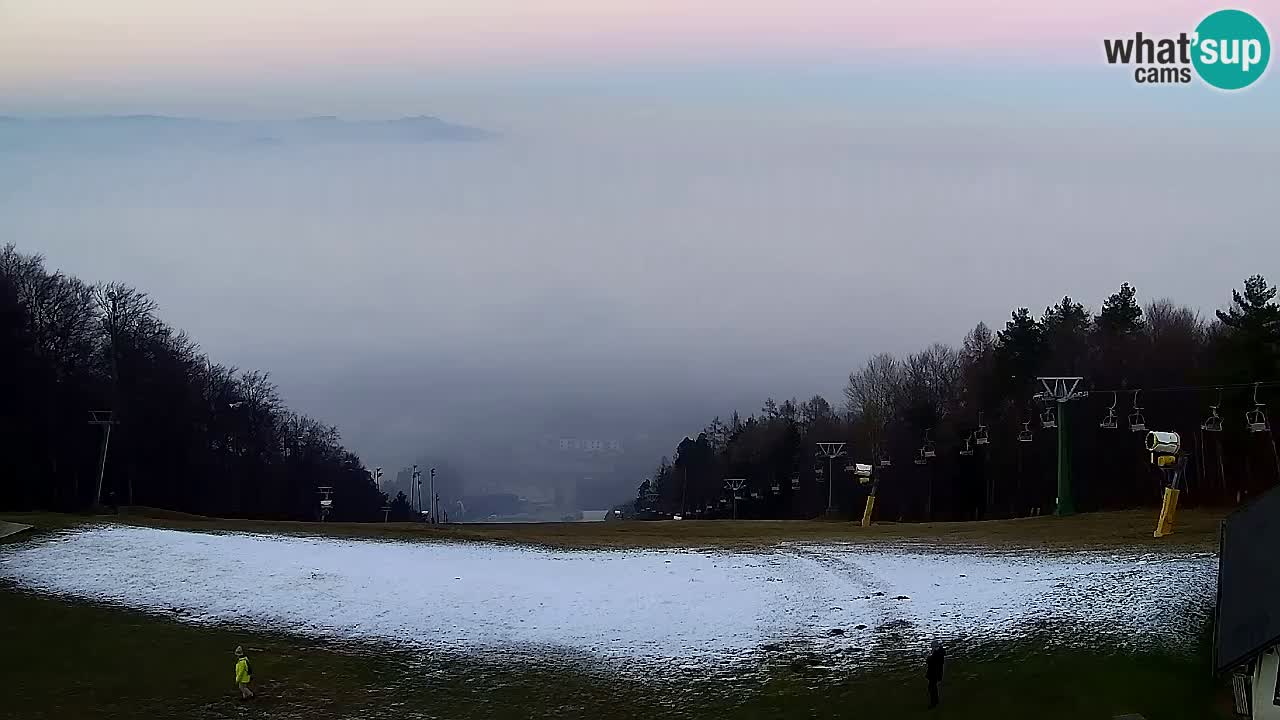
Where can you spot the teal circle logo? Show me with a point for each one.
(1231, 49)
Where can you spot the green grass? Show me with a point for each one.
(1196, 530)
(75, 660)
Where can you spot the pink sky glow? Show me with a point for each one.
(47, 40)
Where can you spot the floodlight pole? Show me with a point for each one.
(102, 462)
(1060, 391)
(684, 485)
(684, 489)
(106, 419)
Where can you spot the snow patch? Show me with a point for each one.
(628, 606)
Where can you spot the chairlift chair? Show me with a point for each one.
(920, 457)
(1256, 419)
(929, 450)
(1137, 423)
(885, 461)
(795, 483)
(980, 436)
(967, 448)
(776, 488)
(1048, 420)
(1214, 423)
(1026, 435)
(1111, 421)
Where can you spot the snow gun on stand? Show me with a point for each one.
(1166, 454)
(862, 471)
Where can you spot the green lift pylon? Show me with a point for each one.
(1066, 503)
(1060, 391)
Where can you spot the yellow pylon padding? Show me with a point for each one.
(1164, 526)
(866, 514)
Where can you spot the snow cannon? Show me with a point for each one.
(1163, 443)
(1166, 454)
(862, 471)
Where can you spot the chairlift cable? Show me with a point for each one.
(1194, 388)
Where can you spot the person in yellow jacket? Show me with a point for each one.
(244, 674)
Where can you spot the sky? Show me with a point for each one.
(687, 207)
(123, 37)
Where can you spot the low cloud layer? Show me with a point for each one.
(632, 269)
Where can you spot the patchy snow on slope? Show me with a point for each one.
(687, 606)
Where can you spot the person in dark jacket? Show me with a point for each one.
(933, 671)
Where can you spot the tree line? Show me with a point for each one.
(189, 433)
(1164, 366)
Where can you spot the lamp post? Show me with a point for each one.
(415, 490)
(684, 485)
(105, 419)
(435, 499)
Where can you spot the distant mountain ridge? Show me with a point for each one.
(163, 129)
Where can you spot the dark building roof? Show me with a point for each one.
(1248, 618)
